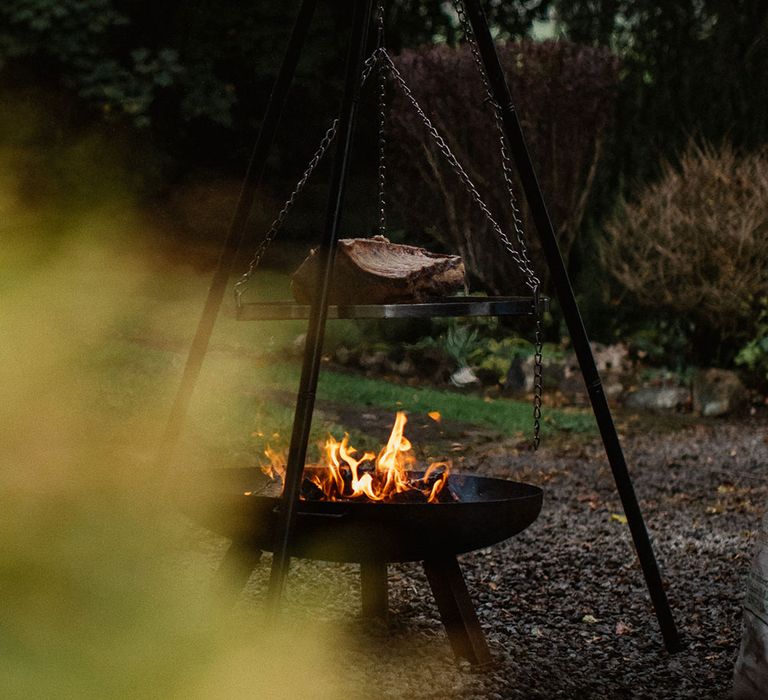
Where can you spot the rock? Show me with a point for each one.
(343, 355)
(658, 398)
(464, 377)
(299, 342)
(611, 358)
(613, 388)
(717, 392)
(613, 365)
(519, 378)
(405, 368)
(373, 360)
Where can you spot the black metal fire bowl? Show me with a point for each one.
(488, 511)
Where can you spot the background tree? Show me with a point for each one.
(565, 98)
(694, 245)
(694, 68)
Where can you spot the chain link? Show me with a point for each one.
(506, 167)
(517, 222)
(538, 373)
(277, 224)
(524, 265)
(382, 141)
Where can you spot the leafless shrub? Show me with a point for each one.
(564, 95)
(696, 241)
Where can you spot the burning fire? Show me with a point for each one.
(387, 476)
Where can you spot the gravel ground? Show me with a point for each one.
(564, 604)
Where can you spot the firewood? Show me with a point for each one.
(376, 271)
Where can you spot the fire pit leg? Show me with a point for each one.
(456, 610)
(373, 583)
(235, 569)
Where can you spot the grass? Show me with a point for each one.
(507, 416)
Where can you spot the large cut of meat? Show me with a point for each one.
(375, 271)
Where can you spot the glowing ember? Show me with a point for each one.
(387, 476)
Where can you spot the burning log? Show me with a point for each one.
(376, 271)
(384, 477)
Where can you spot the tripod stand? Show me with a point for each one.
(360, 26)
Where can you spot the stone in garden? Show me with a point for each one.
(612, 362)
(464, 377)
(343, 355)
(297, 347)
(373, 360)
(717, 392)
(405, 368)
(519, 378)
(611, 358)
(658, 398)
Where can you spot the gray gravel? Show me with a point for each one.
(564, 604)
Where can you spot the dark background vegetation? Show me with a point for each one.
(618, 90)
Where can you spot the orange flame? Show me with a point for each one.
(371, 477)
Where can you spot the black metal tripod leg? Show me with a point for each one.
(570, 309)
(456, 610)
(310, 370)
(235, 569)
(374, 589)
(234, 238)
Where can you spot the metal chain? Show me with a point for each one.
(524, 265)
(538, 372)
(517, 223)
(506, 166)
(382, 174)
(277, 224)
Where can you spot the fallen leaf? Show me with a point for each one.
(623, 628)
(619, 518)
(589, 619)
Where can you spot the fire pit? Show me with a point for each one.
(487, 511)
(381, 512)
